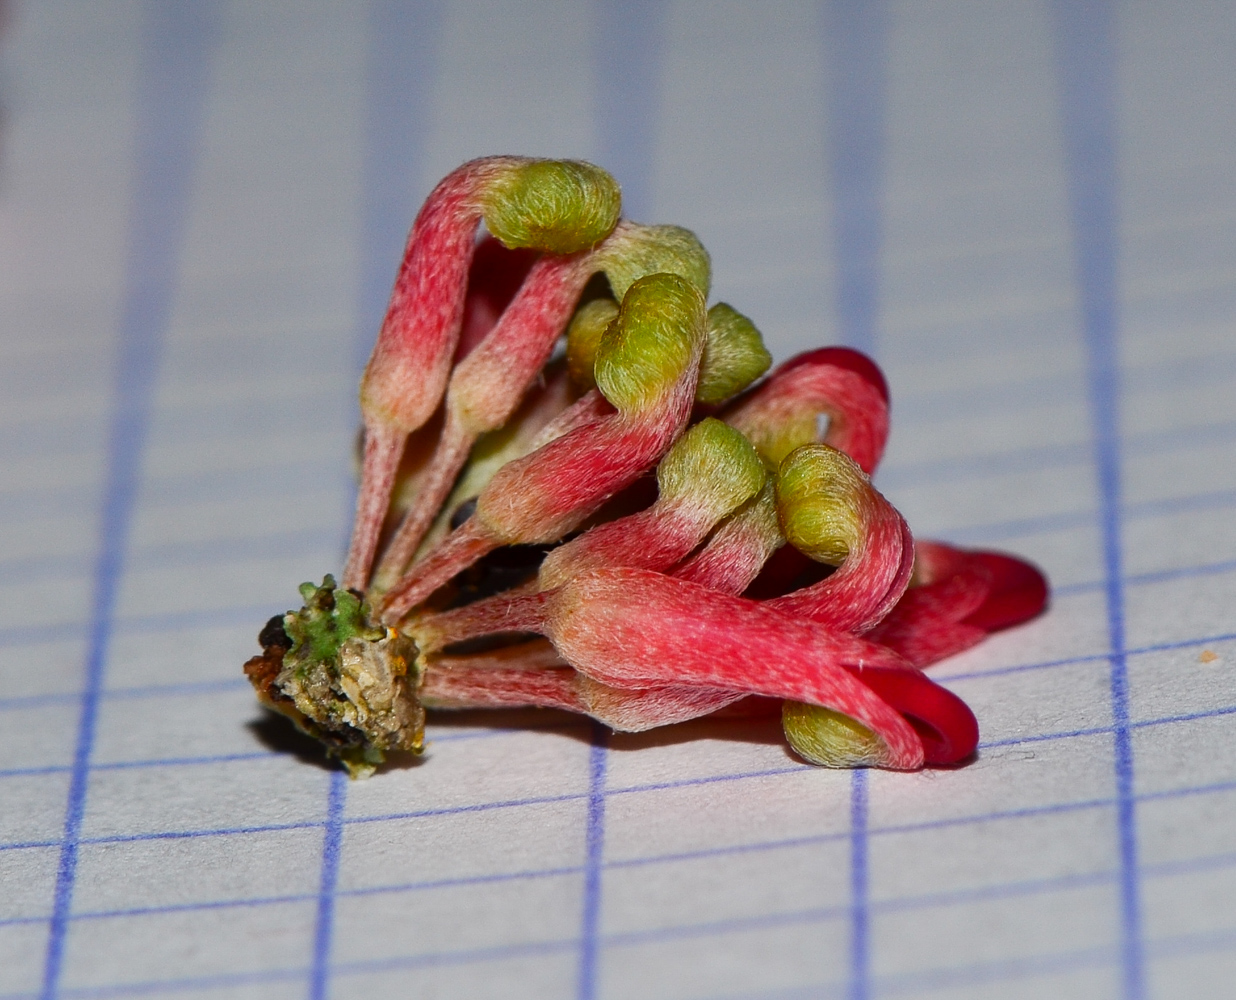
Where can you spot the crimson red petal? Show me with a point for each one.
(843, 357)
(942, 720)
(1018, 592)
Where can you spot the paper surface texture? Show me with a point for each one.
(1025, 211)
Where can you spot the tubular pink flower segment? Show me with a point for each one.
(960, 598)
(556, 206)
(647, 368)
(524, 558)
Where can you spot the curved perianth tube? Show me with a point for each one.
(631, 628)
(557, 206)
(532, 674)
(487, 386)
(834, 396)
(957, 599)
(830, 512)
(739, 548)
(647, 369)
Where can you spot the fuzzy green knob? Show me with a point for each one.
(734, 355)
(817, 491)
(657, 335)
(560, 206)
(830, 739)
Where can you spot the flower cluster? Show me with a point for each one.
(579, 490)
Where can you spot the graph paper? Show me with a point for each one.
(1025, 210)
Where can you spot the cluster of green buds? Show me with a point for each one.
(580, 491)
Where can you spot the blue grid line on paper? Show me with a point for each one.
(22, 702)
(1136, 510)
(1085, 43)
(1158, 647)
(176, 57)
(400, 48)
(860, 909)
(594, 858)
(855, 44)
(658, 786)
(933, 978)
(247, 614)
(1041, 458)
(627, 43)
(187, 554)
(332, 846)
(1141, 510)
(934, 900)
(890, 477)
(269, 754)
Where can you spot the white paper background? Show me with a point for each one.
(1049, 280)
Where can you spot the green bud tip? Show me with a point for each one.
(734, 355)
(828, 738)
(559, 206)
(584, 340)
(634, 251)
(711, 460)
(818, 489)
(657, 335)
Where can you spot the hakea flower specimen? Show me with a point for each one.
(487, 386)
(647, 369)
(560, 207)
(526, 561)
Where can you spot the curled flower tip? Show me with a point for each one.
(341, 677)
(739, 548)
(650, 354)
(647, 368)
(709, 471)
(631, 252)
(734, 352)
(830, 511)
(559, 206)
(944, 723)
(486, 387)
(601, 623)
(734, 356)
(825, 737)
(833, 386)
(551, 205)
(957, 599)
(634, 251)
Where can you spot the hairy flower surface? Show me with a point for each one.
(526, 382)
